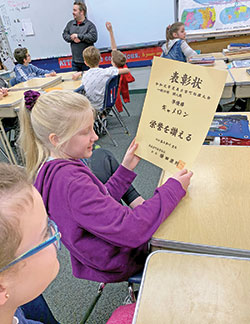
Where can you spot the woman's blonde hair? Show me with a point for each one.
(15, 195)
(60, 112)
(171, 29)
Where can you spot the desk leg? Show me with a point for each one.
(6, 145)
(248, 104)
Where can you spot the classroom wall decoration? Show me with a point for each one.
(37, 25)
(214, 16)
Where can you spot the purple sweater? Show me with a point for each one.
(107, 241)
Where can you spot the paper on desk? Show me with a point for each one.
(179, 107)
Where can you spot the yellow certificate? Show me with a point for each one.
(178, 110)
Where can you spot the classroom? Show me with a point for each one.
(124, 150)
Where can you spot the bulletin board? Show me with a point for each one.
(37, 25)
(214, 17)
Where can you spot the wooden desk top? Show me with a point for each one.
(66, 75)
(220, 64)
(70, 84)
(37, 83)
(13, 99)
(8, 103)
(234, 57)
(215, 211)
(217, 55)
(182, 288)
(241, 77)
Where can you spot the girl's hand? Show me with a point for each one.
(183, 177)
(130, 160)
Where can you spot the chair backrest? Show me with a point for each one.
(80, 90)
(3, 83)
(13, 82)
(111, 91)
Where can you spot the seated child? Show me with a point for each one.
(176, 48)
(28, 244)
(24, 70)
(119, 60)
(94, 80)
(106, 240)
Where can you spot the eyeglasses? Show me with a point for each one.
(55, 237)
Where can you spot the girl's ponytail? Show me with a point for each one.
(33, 152)
(171, 29)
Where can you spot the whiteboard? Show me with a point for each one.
(38, 24)
(48, 19)
(210, 17)
(136, 22)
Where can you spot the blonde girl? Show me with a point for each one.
(107, 241)
(176, 47)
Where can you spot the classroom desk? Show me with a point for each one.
(228, 89)
(242, 82)
(214, 215)
(69, 84)
(188, 288)
(66, 75)
(7, 110)
(243, 56)
(38, 83)
(217, 55)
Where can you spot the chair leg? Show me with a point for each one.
(6, 145)
(117, 115)
(104, 126)
(131, 292)
(125, 108)
(94, 302)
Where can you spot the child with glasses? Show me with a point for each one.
(176, 47)
(24, 70)
(107, 241)
(28, 245)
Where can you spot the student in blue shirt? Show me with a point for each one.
(24, 70)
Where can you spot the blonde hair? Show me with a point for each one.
(118, 58)
(15, 194)
(171, 29)
(91, 56)
(58, 112)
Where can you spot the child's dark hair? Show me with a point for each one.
(171, 29)
(20, 54)
(82, 6)
(118, 58)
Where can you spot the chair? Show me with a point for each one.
(13, 82)
(135, 279)
(110, 96)
(7, 126)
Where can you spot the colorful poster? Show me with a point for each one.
(214, 16)
(178, 110)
